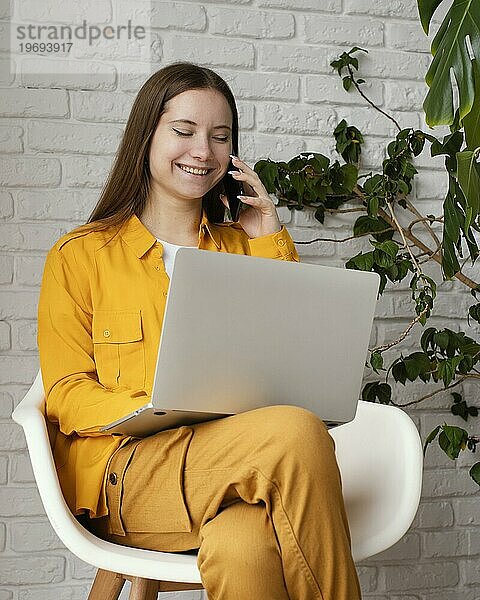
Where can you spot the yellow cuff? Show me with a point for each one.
(274, 245)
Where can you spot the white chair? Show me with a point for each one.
(380, 458)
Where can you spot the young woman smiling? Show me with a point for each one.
(258, 493)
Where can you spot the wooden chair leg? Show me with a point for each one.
(143, 589)
(175, 586)
(107, 585)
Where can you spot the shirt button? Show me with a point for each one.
(106, 333)
(165, 294)
(113, 478)
(281, 242)
(157, 267)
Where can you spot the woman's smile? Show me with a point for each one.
(197, 172)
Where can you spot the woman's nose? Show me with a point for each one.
(201, 148)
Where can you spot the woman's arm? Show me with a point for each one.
(74, 397)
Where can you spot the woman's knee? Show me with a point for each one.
(295, 426)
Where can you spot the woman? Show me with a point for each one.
(259, 493)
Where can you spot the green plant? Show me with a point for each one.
(313, 181)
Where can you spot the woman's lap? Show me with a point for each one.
(161, 490)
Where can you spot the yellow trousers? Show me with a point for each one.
(258, 493)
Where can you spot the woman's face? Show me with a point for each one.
(194, 131)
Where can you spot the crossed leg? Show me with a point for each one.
(256, 571)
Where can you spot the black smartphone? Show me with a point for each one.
(233, 188)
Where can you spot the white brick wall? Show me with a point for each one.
(58, 134)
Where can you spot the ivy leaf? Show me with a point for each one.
(320, 214)
(415, 364)
(446, 369)
(347, 83)
(375, 390)
(417, 142)
(475, 290)
(368, 392)
(452, 440)
(372, 206)
(361, 262)
(456, 397)
(460, 408)
(366, 224)
(389, 247)
(474, 312)
(357, 49)
(349, 140)
(431, 436)
(427, 338)
(384, 393)
(350, 176)
(475, 473)
(441, 339)
(376, 361)
(399, 371)
(267, 171)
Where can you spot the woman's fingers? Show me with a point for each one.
(249, 177)
(260, 218)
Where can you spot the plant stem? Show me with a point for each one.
(350, 237)
(436, 391)
(429, 395)
(423, 220)
(401, 232)
(352, 77)
(402, 337)
(460, 276)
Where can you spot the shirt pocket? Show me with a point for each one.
(118, 348)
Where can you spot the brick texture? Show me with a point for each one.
(58, 137)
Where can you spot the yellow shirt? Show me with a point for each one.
(100, 315)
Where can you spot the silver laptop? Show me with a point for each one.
(241, 332)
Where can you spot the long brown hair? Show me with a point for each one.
(127, 187)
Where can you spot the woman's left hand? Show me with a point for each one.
(260, 218)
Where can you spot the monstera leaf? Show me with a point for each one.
(450, 53)
(471, 123)
(427, 8)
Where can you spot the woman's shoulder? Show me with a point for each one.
(86, 238)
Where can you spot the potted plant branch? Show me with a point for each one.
(311, 181)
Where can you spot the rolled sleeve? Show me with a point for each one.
(275, 245)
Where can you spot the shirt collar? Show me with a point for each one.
(140, 239)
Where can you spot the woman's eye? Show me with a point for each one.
(183, 133)
(180, 132)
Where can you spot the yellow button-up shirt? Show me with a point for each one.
(100, 315)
